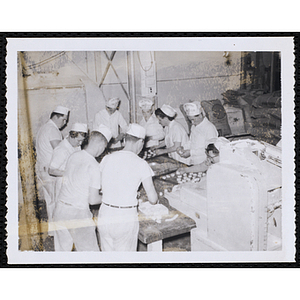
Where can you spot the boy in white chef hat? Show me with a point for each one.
(201, 131)
(113, 119)
(113, 103)
(154, 131)
(79, 127)
(47, 139)
(60, 116)
(80, 189)
(136, 130)
(66, 147)
(63, 151)
(122, 172)
(175, 134)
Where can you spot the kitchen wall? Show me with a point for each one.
(72, 79)
(182, 76)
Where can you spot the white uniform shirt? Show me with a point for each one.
(153, 130)
(175, 132)
(82, 172)
(200, 134)
(121, 175)
(111, 121)
(48, 132)
(59, 160)
(61, 154)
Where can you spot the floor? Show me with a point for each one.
(178, 244)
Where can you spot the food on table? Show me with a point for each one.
(185, 177)
(148, 154)
(189, 177)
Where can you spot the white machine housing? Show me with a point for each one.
(239, 207)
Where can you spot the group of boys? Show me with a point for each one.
(72, 180)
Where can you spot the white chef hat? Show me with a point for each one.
(153, 129)
(145, 104)
(218, 142)
(113, 102)
(192, 108)
(136, 130)
(168, 110)
(79, 127)
(61, 110)
(104, 130)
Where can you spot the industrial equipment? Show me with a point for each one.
(238, 205)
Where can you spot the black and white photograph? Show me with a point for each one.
(150, 150)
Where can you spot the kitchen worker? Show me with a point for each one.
(113, 119)
(80, 188)
(122, 173)
(202, 130)
(47, 139)
(175, 134)
(212, 156)
(154, 131)
(62, 152)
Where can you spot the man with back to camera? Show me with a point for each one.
(113, 119)
(62, 152)
(201, 131)
(122, 173)
(47, 139)
(80, 188)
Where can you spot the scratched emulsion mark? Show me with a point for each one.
(45, 62)
(29, 225)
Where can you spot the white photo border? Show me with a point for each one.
(283, 44)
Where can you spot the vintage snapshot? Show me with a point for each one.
(150, 150)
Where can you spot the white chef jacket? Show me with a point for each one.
(153, 130)
(175, 132)
(72, 216)
(59, 161)
(48, 132)
(200, 134)
(111, 121)
(82, 172)
(121, 175)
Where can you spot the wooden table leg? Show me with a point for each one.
(155, 246)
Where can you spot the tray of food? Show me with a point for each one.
(177, 178)
(147, 154)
